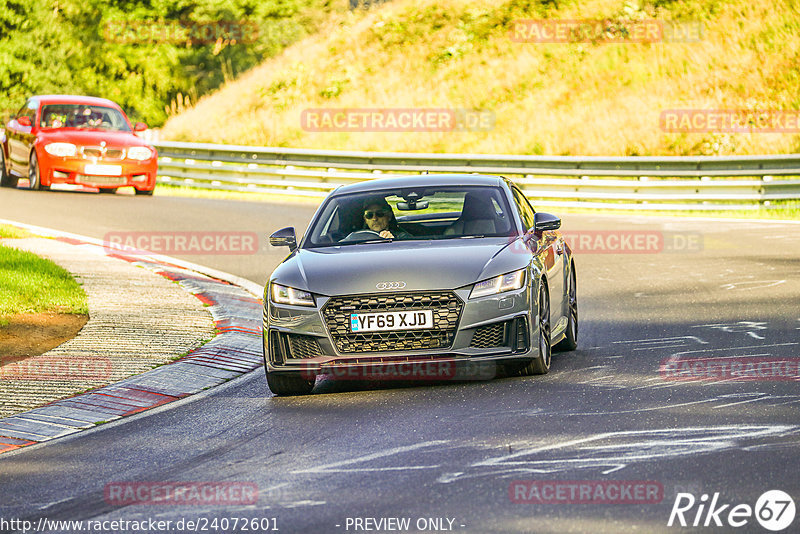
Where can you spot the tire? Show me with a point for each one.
(34, 175)
(145, 192)
(106, 191)
(540, 365)
(288, 384)
(6, 179)
(570, 341)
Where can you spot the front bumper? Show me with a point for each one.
(57, 170)
(483, 333)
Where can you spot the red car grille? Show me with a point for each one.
(101, 153)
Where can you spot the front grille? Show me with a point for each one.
(303, 347)
(446, 307)
(101, 180)
(493, 335)
(101, 153)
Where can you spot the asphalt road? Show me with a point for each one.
(446, 455)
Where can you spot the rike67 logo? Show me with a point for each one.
(774, 510)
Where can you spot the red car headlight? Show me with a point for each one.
(139, 153)
(62, 150)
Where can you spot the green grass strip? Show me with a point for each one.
(30, 284)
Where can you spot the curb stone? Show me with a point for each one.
(234, 351)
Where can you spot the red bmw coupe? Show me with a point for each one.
(57, 139)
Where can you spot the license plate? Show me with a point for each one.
(400, 320)
(102, 170)
(101, 180)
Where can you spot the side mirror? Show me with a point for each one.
(139, 127)
(24, 120)
(284, 238)
(545, 221)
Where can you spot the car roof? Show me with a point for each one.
(74, 99)
(421, 180)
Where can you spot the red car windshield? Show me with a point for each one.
(83, 116)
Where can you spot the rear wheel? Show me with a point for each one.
(570, 341)
(540, 365)
(286, 384)
(35, 175)
(6, 179)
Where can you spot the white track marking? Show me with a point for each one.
(735, 403)
(332, 467)
(676, 356)
(757, 284)
(638, 410)
(746, 327)
(662, 343)
(45, 507)
(616, 468)
(626, 447)
(663, 339)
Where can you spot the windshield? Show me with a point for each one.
(450, 212)
(83, 117)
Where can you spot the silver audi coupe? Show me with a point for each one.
(435, 277)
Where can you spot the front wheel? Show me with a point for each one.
(540, 365)
(287, 384)
(145, 192)
(570, 341)
(35, 174)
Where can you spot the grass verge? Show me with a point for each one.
(30, 284)
(12, 232)
(587, 97)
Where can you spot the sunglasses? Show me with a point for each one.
(379, 213)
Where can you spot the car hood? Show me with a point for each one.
(91, 137)
(421, 265)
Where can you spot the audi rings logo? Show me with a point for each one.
(391, 285)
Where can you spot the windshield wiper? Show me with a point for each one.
(374, 241)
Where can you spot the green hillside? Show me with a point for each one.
(593, 97)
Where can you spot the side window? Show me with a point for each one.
(28, 110)
(525, 209)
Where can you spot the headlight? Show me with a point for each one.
(499, 284)
(62, 150)
(289, 295)
(140, 152)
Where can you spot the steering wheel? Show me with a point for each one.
(362, 234)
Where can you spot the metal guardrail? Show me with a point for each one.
(675, 183)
